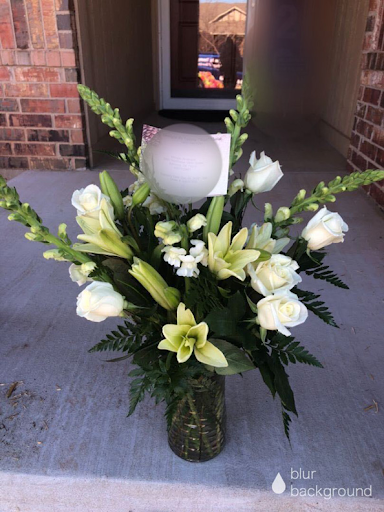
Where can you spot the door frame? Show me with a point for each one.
(165, 99)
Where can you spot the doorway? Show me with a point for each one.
(201, 53)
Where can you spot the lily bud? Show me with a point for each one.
(141, 194)
(109, 188)
(153, 282)
(215, 212)
(235, 186)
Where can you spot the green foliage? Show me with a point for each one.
(111, 117)
(238, 361)
(309, 299)
(290, 351)
(128, 337)
(286, 423)
(322, 193)
(203, 295)
(325, 274)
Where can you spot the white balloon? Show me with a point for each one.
(182, 163)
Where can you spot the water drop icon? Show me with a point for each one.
(278, 485)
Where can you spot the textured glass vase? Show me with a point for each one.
(197, 429)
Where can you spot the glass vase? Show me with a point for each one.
(197, 427)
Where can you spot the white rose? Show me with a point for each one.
(323, 229)
(79, 273)
(277, 312)
(87, 201)
(196, 222)
(274, 275)
(263, 174)
(99, 301)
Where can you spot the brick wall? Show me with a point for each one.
(41, 122)
(367, 142)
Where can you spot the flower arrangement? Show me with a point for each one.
(198, 296)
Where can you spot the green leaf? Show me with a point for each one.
(238, 361)
(317, 307)
(221, 322)
(237, 306)
(287, 348)
(282, 385)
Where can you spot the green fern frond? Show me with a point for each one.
(291, 351)
(123, 340)
(325, 274)
(286, 422)
(137, 391)
(317, 307)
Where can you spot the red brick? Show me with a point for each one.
(26, 90)
(68, 59)
(64, 91)
(5, 149)
(359, 161)
(364, 128)
(378, 136)
(373, 78)
(72, 149)
(371, 96)
(56, 164)
(6, 29)
(74, 106)
(3, 120)
(38, 58)
(77, 136)
(374, 115)
(35, 74)
(12, 134)
(14, 162)
(48, 106)
(368, 43)
(80, 163)
(23, 58)
(71, 75)
(5, 74)
(380, 158)
(35, 149)
(368, 149)
(71, 121)
(20, 24)
(8, 57)
(66, 40)
(35, 23)
(62, 5)
(31, 120)
(8, 105)
(374, 5)
(48, 135)
(50, 28)
(53, 58)
(377, 193)
(361, 110)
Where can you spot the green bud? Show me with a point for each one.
(283, 213)
(109, 188)
(229, 124)
(141, 194)
(234, 115)
(312, 207)
(325, 191)
(297, 220)
(242, 139)
(215, 212)
(14, 216)
(301, 195)
(239, 102)
(62, 231)
(268, 212)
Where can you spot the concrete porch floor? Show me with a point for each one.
(66, 444)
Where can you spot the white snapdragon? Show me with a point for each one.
(80, 273)
(199, 252)
(127, 201)
(154, 204)
(235, 186)
(137, 184)
(323, 229)
(196, 222)
(88, 201)
(172, 255)
(99, 301)
(188, 267)
(274, 275)
(263, 174)
(168, 231)
(280, 311)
